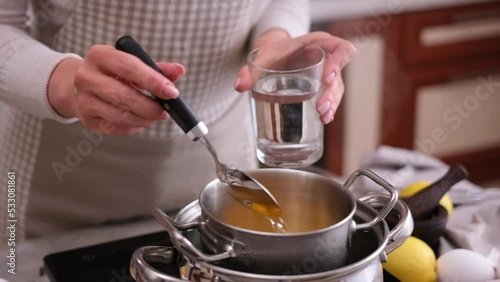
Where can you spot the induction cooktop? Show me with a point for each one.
(107, 262)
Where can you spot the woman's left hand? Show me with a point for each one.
(338, 53)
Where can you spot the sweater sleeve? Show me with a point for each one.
(26, 64)
(292, 16)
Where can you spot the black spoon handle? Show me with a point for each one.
(177, 108)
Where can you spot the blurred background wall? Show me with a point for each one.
(426, 76)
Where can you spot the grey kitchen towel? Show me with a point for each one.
(402, 167)
(475, 221)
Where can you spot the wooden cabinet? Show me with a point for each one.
(427, 57)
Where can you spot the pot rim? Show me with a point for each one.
(345, 220)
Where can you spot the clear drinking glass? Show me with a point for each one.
(285, 82)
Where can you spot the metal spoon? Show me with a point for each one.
(242, 187)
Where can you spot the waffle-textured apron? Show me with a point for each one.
(76, 178)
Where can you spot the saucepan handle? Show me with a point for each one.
(142, 271)
(400, 220)
(183, 245)
(384, 184)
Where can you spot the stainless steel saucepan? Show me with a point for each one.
(317, 210)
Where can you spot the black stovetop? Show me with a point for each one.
(107, 262)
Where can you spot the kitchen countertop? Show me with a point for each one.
(327, 10)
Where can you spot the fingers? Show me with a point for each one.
(117, 121)
(283, 55)
(242, 82)
(108, 90)
(337, 56)
(341, 49)
(96, 108)
(330, 100)
(338, 52)
(130, 68)
(119, 94)
(173, 71)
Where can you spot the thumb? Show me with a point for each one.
(242, 82)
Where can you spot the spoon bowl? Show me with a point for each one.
(244, 188)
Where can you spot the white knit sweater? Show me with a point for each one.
(208, 37)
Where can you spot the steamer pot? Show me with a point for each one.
(364, 260)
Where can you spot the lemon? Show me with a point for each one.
(415, 187)
(413, 261)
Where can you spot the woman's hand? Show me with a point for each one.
(338, 53)
(102, 90)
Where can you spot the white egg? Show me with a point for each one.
(461, 265)
(498, 269)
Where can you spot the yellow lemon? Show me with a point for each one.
(415, 187)
(413, 261)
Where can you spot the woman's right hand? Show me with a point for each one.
(102, 90)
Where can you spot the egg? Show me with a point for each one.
(498, 269)
(461, 265)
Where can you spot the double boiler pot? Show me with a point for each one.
(327, 232)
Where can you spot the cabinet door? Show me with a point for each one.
(450, 34)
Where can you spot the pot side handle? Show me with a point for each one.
(384, 184)
(402, 224)
(183, 245)
(142, 271)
